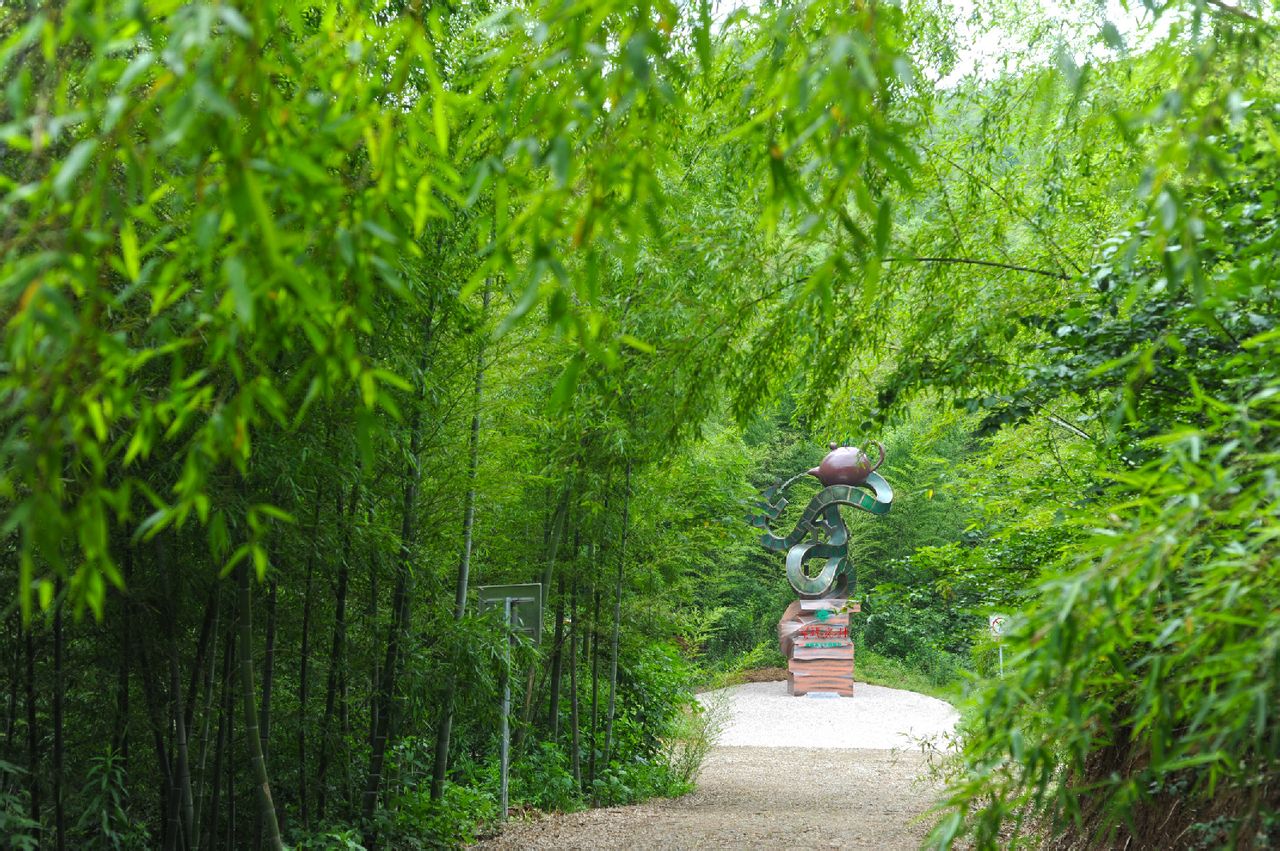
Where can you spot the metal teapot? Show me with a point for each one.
(846, 465)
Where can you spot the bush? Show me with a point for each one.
(911, 628)
(654, 689)
(18, 831)
(690, 741)
(766, 654)
(333, 840)
(414, 821)
(631, 782)
(1139, 693)
(543, 779)
(660, 732)
(105, 821)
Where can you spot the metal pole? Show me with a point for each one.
(1001, 646)
(506, 708)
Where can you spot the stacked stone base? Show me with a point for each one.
(815, 640)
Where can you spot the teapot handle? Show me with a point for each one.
(879, 446)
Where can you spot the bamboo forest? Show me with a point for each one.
(322, 320)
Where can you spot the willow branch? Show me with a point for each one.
(969, 261)
(1235, 11)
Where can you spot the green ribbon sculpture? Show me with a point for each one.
(851, 480)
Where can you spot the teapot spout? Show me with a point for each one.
(815, 472)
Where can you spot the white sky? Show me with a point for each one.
(982, 54)
(982, 49)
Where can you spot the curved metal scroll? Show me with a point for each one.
(821, 518)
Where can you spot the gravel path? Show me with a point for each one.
(764, 715)
(786, 772)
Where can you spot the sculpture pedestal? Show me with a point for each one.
(815, 640)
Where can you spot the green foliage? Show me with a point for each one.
(416, 822)
(242, 197)
(1136, 703)
(899, 673)
(105, 821)
(687, 744)
(338, 840)
(628, 783)
(766, 654)
(542, 779)
(655, 689)
(20, 831)
(1141, 678)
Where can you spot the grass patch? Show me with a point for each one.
(871, 667)
(937, 675)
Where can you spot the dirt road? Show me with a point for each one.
(850, 796)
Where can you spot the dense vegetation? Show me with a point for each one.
(316, 317)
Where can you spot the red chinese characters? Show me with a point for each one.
(815, 631)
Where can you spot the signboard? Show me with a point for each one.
(816, 635)
(526, 606)
(521, 607)
(997, 623)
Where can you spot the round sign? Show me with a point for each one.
(996, 622)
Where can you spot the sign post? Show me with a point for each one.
(996, 623)
(521, 615)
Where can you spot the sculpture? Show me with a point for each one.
(845, 471)
(814, 630)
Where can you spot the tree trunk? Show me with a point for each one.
(182, 710)
(120, 729)
(344, 730)
(225, 708)
(440, 766)
(183, 773)
(338, 651)
(199, 775)
(208, 649)
(575, 753)
(59, 695)
(617, 621)
(557, 661)
(385, 692)
(268, 672)
(14, 628)
(264, 711)
(33, 737)
(121, 738)
(548, 569)
(375, 567)
(304, 661)
(595, 687)
(231, 774)
(169, 798)
(202, 651)
(258, 764)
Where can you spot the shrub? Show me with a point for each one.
(104, 821)
(1139, 694)
(19, 831)
(415, 821)
(543, 779)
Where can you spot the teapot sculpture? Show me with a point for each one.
(846, 465)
